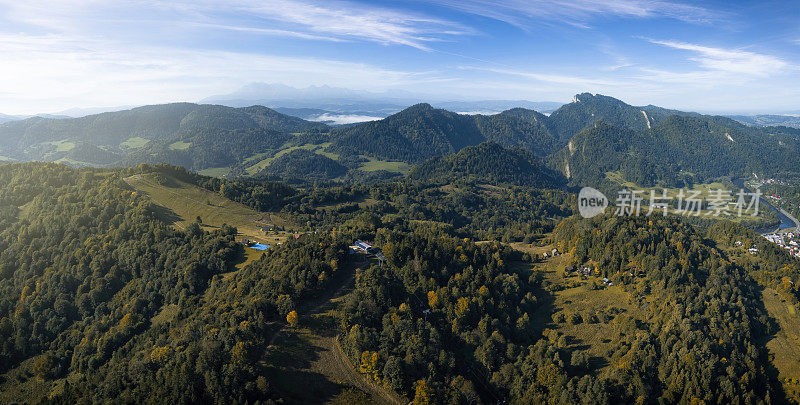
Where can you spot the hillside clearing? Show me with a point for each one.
(183, 203)
(784, 347)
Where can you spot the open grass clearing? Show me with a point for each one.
(784, 347)
(182, 203)
(135, 142)
(180, 145)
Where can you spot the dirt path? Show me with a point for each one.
(308, 363)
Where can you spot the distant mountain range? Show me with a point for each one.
(315, 101)
(594, 139)
(789, 120)
(7, 118)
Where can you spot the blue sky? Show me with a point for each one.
(726, 56)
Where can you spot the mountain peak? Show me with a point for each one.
(420, 107)
(581, 97)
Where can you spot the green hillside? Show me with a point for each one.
(678, 150)
(490, 163)
(646, 145)
(119, 134)
(416, 133)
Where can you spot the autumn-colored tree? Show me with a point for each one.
(423, 393)
(433, 299)
(160, 354)
(292, 319)
(369, 364)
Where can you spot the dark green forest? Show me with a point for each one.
(102, 296)
(471, 296)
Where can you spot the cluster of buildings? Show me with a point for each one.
(552, 253)
(585, 272)
(774, 181)
(786, 241)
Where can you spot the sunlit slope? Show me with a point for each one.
(183, 203)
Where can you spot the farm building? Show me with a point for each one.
(364, 246)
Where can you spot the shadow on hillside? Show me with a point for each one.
(165, 214)
(293, 378)
(543, 316)
(769, 331)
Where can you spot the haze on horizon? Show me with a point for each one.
(703, 56)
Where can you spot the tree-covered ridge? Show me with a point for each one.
(452, 322)
(520, 127)
(203, 148)
(437, 315)
(707, 318)
(587, 109)
(90, 282)
(416, 133)
(490, 163)
(302, 165)
(125, 131)
(676, 152)
(420, 132)
(646, 145)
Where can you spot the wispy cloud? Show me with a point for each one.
(305, 19)
(265, 31)
(549, 78)
(523, 13)
(51, 72)
(348, 20)
(729, 60)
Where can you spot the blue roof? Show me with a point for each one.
(259, 246)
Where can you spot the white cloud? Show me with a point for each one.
(342, 119)
(51, 72)
(730, 61)
(579, 12)
(63, 53)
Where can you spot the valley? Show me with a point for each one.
(485, 285)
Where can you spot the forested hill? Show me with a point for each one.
(101, 300)
(117, 134)
(678, 150)
(646, 145)
(490, 163)
(416, 133)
